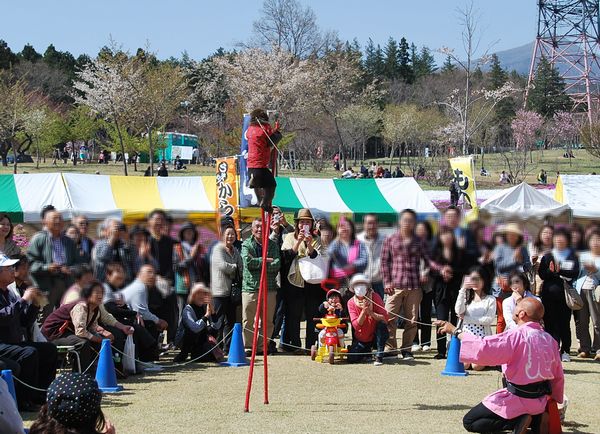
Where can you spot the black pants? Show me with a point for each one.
(278, 316)
(557, 316)
(196, 344)
(165, 308)
(483, 420)
(224, 314)
(83, 347)
(37, 362)
(445, 312)
(423, 335)
(313, 297)
(293, 307)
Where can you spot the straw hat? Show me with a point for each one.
(304, 214)
(512, 228)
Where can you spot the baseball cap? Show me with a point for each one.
(5, 261)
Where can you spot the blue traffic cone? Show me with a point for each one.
(105, 373)
(237, 356)
(6, 375)
(454, 367)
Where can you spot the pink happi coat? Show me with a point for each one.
(527, 354)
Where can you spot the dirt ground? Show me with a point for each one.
(305, 396)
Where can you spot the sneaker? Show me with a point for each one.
(522, 424)
(378, 361)
(583, 355)
(415, 348)
(565, 357)
(439, 356)
(426, 348)
(407, 355)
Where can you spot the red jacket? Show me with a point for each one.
(259, 146)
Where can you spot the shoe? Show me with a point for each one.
(439, 356)
(378, 361)
(407, 355)
(426, 348)
(390, 355)
(180, 358)
(565, 357)
(415, 348)
(522, 424)
(583, 355)
(597, 357)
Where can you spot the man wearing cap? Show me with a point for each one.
(530, 364)
(252, 260)
(36, 359)
(51, 256)
(369, 320)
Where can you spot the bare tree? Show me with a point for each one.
(288, 25)
(471, 39)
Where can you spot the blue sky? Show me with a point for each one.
(201, 26)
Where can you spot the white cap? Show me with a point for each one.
(5, 261)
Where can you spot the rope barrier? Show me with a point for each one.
(175, 365)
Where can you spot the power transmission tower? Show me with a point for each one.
(568, 36)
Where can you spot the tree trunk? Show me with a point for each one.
(135, 155)
(14, 148)
(37, 151)
(391, 157)
(342, 150)
(122, 148)
(151, 148)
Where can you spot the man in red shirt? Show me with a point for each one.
(369, 321)
(261, 140)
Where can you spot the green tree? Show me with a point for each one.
(374, 61)
(547, 95)
(405, 68)
(28, 53)
(391, 62)
(61, 60)
(7, 57)
(423, 63)
(448, 65)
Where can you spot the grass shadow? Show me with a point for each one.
(441, 407)
(578, 371)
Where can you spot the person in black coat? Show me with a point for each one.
(445, 291)
(556, 267)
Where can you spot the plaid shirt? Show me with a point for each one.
(400, 262)
(58, 251)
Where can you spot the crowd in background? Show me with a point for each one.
(71, 288)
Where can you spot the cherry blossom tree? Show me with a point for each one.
(107, 85)
(526, 128)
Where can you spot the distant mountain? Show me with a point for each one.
(518, 58)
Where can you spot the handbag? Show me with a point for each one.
(129, 355)
(236, 292)
(313, 270)
(572, 297)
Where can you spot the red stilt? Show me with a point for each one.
(265, 319)
(260, 309)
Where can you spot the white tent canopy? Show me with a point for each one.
(523, 202)
(581, 193)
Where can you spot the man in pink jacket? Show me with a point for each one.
(531, 366)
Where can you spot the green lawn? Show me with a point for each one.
(550, 160)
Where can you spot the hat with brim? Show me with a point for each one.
(511, 228)
(5, 261)
(333, 292)
(304, 214)
(359, 278)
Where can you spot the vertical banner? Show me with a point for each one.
(462, 170)
(247, 196)
(227, 193)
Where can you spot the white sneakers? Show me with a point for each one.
(415, 348)
(565, 357)
(426, 348)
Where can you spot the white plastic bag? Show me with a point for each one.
(314, 270)
(129, 356)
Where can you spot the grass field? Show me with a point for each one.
(305, 396)
(550, 160)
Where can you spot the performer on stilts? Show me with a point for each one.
(262, 139)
